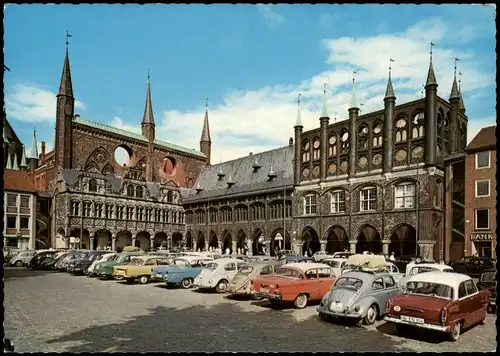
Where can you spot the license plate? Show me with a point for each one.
(412, 319)
(159, 275)
(264, 290)
(336, 306)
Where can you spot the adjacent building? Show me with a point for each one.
(480, 194)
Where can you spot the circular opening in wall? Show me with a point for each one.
(169, 165)
(122, 155)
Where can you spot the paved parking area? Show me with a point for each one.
(57, 312)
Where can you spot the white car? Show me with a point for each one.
(422, 268)
(218, 274)
(22, 258)
(99, 259)
(337, 264)
(320, 256)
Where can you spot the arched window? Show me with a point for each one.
(306, 155)
(344, 141)
(404, 196)
(418, 126)
(363, 137)
(92, 185)
(130, 190)
(377, 134)
(332, 145)
(316, 149)
(401, 129)
(139, 191)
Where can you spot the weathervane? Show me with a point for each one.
(335, 117)
(459, 81)
(390, 66)
(422, 91)
(432, 45)
(456, 60)
(298, 100)
(324, 88)
(353, 77)
(67, 39)
(206, 103)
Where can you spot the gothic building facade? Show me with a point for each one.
(96, 201)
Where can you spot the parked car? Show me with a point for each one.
(359, 295)
(442, 302)
(80, 266)
(320, 256)
(105, 269)
(91, 271)
(373, 263)
(49, 264)
(294, 259)
(488, 282)
(423, 268)
(295, 282)
(342, 254)
(22, 258)
(63, 263)
(287, 253)
(193, 263)
(337, 264)
(472, 266)
(39, 258)
(241, 283)
(218, 274)
(139, 268)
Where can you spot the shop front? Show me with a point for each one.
(483, 244)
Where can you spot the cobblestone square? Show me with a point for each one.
(57, 312)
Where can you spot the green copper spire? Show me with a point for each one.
(34, 147)
(353, 92)
(16, 166)
(9, 161)
(324, 111)
(24, 163)
(5, 139)
(299, 119)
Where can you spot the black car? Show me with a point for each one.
(488, 281)
(37, 260)
(80, 266)
(68, 258)
(473, 266)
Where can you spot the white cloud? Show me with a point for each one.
(33, 103)
(270, 15)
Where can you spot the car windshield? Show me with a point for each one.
(211, 265)
(334, 264)
(137, 262)
(417, 270)
(288, 272)
(246, 269)
(179, 262)
(121, 259)
(349, 282)
(488, 277)
(430, 289)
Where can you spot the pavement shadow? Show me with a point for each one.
(23, 272)
(265, 303)
(221, 327)
(412, 333)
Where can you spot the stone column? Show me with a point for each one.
(151, 242)
(426, 248)
(353, 246)
(297, 248)
(323, 245)
(250, 246)
(194, 246)
(385, 246)
(234, 246)
(268, 248)
(91, 238)
(220, 246)
(133, 239)
(113, 242)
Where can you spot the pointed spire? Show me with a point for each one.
(205, 132)
(9, 161)
(148, 117)
(15, 165)
(298, 122)
(389, 91)
(34, 147)
(454, 88)
(324, 111)
(461, 106)
(5, 139)
(431, 77)
(24, 163)
(66, 86)
(353, 93)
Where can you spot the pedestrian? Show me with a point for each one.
(392, 258)
(409, 266)
(98, 248)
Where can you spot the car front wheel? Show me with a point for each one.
(118, 278)
(18, 264)
(143, 279)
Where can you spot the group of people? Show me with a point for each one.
(227, 251)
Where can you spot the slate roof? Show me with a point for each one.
(135, 136)
(485, 140)
(245, 179)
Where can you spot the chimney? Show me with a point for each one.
(77, 116)
(43, 152)
(251, 153)
(290, 142)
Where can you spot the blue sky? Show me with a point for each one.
(249, 60)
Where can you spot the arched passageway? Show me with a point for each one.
(337, 240)
(403, 241)
(369, 240)
(310, 240)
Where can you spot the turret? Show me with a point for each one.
(298, 145)
(24, 162)
(33, 155)
(430, 119)
(389, 103)
(148, 131)
(455, 105)
(353, 117)
(324, 120)
(205, 140)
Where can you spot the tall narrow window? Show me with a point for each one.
(368, 199)
(306, 155)
(120, 212)
(109, 211)
(130, 190)
(482, 219)
(98, 210)
(316, 149)
(310, 204)
(337, 202)
(92, 185)
(139, 192)
(332, 145)
(86, 208)
(75, 208)
(404, 196)
(140, 214)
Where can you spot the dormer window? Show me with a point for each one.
(130, 191)
(139, 192)
(271, 175)
(199, 188)
(256, 165)
(230, 182)
(221, 173)
(92, 185)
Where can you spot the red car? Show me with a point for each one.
(295, 282)
(439, 301)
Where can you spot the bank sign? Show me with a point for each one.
(481, 236)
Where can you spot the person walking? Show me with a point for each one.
(392, 257)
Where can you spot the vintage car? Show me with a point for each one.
(443, 302)
(91, 271)
(295, 282)
(218, 274)
(22, 258)
(105, 269)
(81, 266)
(70, 257)
(197, 262)
(488, 282)
(241, 283)
(336, 263)
(472, 266)
(320, 256)
(40, 257)
(183, 271)
(359, 295)
(342, 254)
(423, 268)
(285, 259)
(372, 262)
(139, 268)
